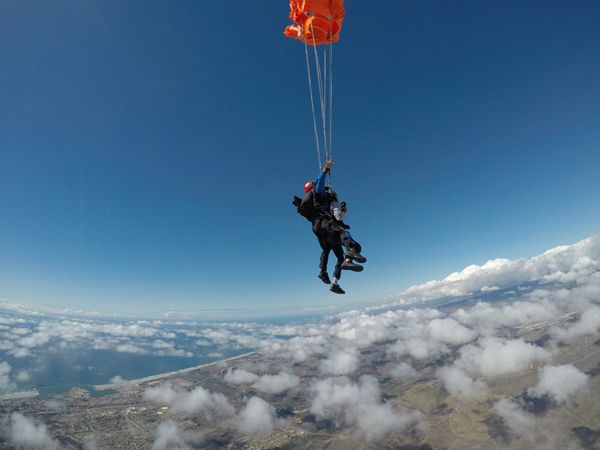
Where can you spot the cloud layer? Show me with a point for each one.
(472, 344)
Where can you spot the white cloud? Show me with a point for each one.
(233, 336)
(168, 436)
(418, 347)
(20, 352)
(198, 400)
(160, 344)
(492, 356)
(489, 357)
(271, 384)
(519, 422)
(588, 324)
(341, 362)
(561, 383)
(23, 376)
(276, 384)
(486, 319)
(10, 320)
(169, 349)
(403, 371)
(122, 383)
(131, 348)
(129, 330)
(489, 288)
(34, 340)
(459, 384)
(359, 409)
(100, 344)
(174, 352)
(425, 334)
(362, 329)
(56, 405)
(23, 432)
(6, 384)
(6, 345)
(567, 263)
(299, 348)
(240, 376)
(257, 416)
(449, 331)
(98, 335)
(20, 331)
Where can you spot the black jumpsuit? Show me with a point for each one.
(315, 207)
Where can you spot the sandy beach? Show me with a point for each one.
(160, 376)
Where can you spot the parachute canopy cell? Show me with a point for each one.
(316, 21)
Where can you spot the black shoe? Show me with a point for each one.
(324, 278)
(349, 265)
(337, 289)
(353, 254)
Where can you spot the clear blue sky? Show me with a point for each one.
(150, 149)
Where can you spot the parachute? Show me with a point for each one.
(318, 24)
(317, 21)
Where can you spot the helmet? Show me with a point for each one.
(308, 186)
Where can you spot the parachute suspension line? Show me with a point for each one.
(312, 105)
(321, 92)
(324, 76)
(330, 107)
(330, 99)
(330, 88)
(324, 97)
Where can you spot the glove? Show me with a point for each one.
(296, 202)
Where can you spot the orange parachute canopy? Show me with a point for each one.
(317, 21)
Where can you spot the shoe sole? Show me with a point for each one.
(353, 268)
(359, 259)
(336, 292)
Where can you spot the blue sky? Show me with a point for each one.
(150, 149)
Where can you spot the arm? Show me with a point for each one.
(320, 184)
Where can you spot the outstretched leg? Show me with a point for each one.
(335, 240)
(324, 259)
(337, 272)
(339, 254)
(325, 249)
(353, 247)
(349, 242)
(320, 233)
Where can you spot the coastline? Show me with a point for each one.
(20, 395)
(160, 376)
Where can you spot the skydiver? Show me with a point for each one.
(316, 207)
(339, 230)
(336, 235)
